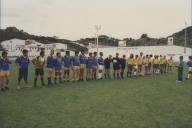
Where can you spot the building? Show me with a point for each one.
(16, 46)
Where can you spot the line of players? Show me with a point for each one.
(59, 67)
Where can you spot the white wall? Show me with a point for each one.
(174, 51)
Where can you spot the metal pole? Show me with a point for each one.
(191, 25)
(191, 12)
(97, 27)
(185, 45)
(0, 14)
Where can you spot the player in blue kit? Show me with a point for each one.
(189, 64)
(83, 60)
(67, 65)
(23, 63)
(76, 66)
(89, 64)
(4, 62)
(58, 68)
(50, 66)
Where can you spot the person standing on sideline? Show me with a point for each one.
(150, 64)
(100, 66)
(156, 65)
(50, 66)
(67, 65)
(76, 66)
(130, 64)
(180, 69)
(83, 60)
(89, 64)
(165, 64)
(107, 63)
(58, 68)
(135, 67)
(189, 64)
(1, 84)
(4, 61)
(143, 70)
(147, 65)
(116, 66)
(122, 66)
(170, 64)
(140, 59)
(22, 63)
(39, 63)
(94, 66)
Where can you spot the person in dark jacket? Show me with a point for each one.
(180, 69)
(107, 64)
(116, 66)
(122, 65)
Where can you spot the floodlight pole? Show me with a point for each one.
(191, 24)
(185, 45)
(0, 14)
(97, 28)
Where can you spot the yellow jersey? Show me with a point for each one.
(155, 61)
(130, 61)
(136, 61)
(161, 61)
(140, 60)
(170, 62)
(164, 61)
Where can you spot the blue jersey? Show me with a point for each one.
(76, 61)
(0, 65)
(101, 61)
(67, 61)
(89, 63)
(83, 59)
(58, 63)
(189, 63)
(95, 61)
(4, 64)
(50, 62)
(22, 61)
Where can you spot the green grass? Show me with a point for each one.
(143, 102)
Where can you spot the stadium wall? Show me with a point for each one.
(174, 51)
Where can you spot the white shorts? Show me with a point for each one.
(101, 67)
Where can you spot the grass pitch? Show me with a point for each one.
(143, 102)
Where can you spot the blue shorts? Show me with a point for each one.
(156, 66)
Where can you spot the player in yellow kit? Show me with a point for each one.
(156, 65)
(161, 64)
(170, 64)
(165, 64)
(140, 60)
(135, 63)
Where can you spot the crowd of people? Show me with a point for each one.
(62, 69)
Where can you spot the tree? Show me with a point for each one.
(144, 36)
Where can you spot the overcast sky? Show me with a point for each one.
(75, 19)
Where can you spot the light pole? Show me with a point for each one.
(0, 14)
(185, 45)
(97, 28)
(191, 24)
(191, 12)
